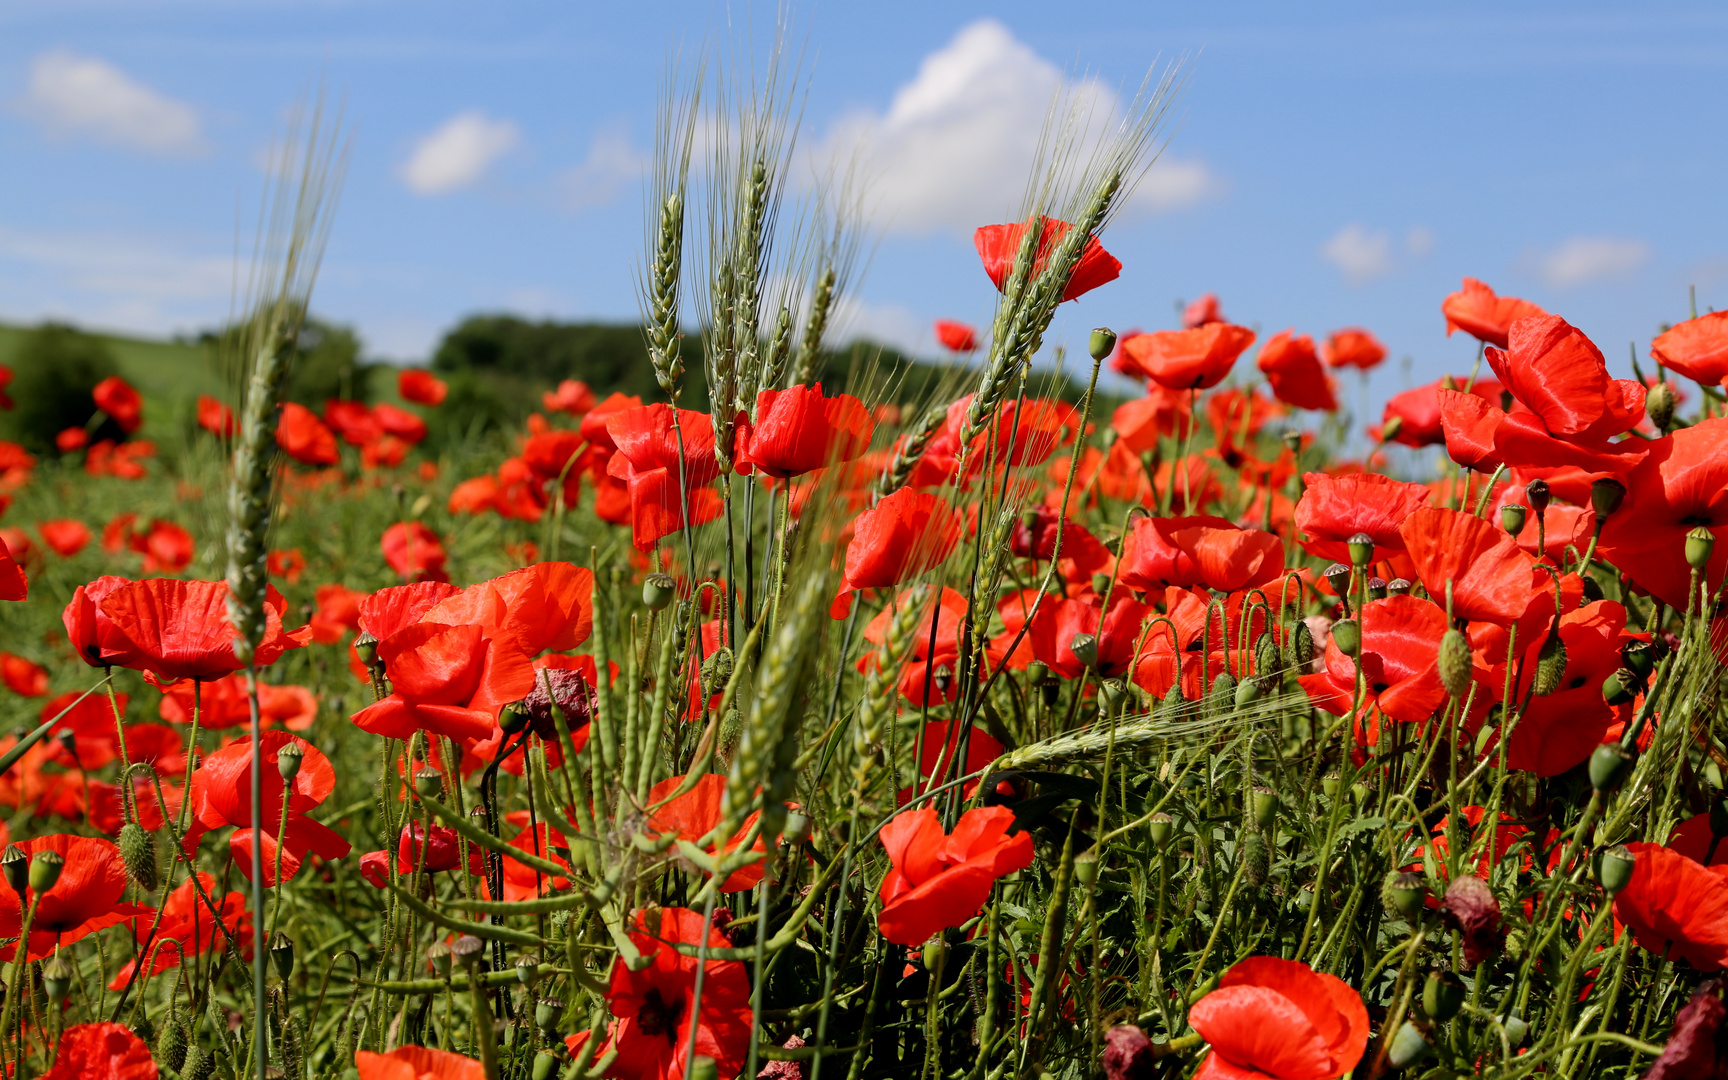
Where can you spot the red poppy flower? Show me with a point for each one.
(1200, 550)
(1335, 508)
(1469, 424)
(353, 421)
(1201, 312)
(695, 814)
(941, 879)
(1681, 485)
(421, 387)
(85, 899)
(1491, 576)
(67, 537)
(545, 606)
(417, 1063)
(1291, 365)
(1399, 657)
(304, 437)
(215, 417)
(90, 722)
(1676, 907)
(437, 851)
(338, 612)
(399, 422)
(1026, 432)
(648, 461)
(1189, 359)
(1057, 622)
(13, 584)
(904, 535)
(593, 426)
(940, 746)
(475, 496)
(1475, 310)
(956, 336)
(225, 703)
(6, 401)
(23, 677)
(1418, 412)
(1559, 375)
(1034, 537)
(172, 629)
(70, 439)
(655, 1009)
(188, 924)
(1353, 347)
(221, 796)
(572, 396)
(998, 245)
(116, 397)
(1696, 348)
(549, 454)
(448, 680)
(798, 430)
(166, 547)
(930, 665)
(1280, 1019)
(101, 1052)
(1140, 422)
(413, 551)
(1560, 730)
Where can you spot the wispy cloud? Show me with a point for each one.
(1360, 254)
(1582, 260)
(458, 152)
(613, 164)
(76, 96)
(139, 282)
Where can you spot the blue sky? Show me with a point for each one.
(1332, 166)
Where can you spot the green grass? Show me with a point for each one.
(163, 370)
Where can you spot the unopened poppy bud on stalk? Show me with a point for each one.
(1390, 429)
(1614, 870)
(1454, 662)
(657, 591)
(1102, 342)
(288, 760)
(1606, 495)
(1512, 517)
(1361, 550)
(138, 852)
(1699, 543)
(1659, 404)
(45, 869)
(1265, 807)
(1550, 667)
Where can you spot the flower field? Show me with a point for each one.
(815, 729)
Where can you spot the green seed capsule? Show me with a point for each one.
(1620, 687)
(1614, 871)
(1699, 543)
(1347, 635)
(57, 979)
(1159, 828)
(657, 591)
(1606, 495)
(1086, 869)
(546, 1014)
(428, 784)
(282, 955)
(16, 865)
(1442, 996)
(288, 760)
(1101, 343)
(1609, 765)
(1085, 649)
(1512, 518)
(1404, 893)
(545, 1065)
(1659, 405)
(1265, 802)
(1361, 548)
(704, 1068)
(1408, 1046)
(45, 867)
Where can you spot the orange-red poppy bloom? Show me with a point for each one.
(1490, 575)
(413, 551)
(225, 703)
(221, 787)
(1399, 657)
(940, 879)
(1274, 1019)
(1196, 359)
(1202, 311)
(353, 421)
(101, 1052)
(89, 722)
(799, 430)
(22, 676)
(904, 535)
(166, 547)
(1696, 348)
(999, 244)
(1676, 907)
(1681, 485)
(287, 564)
(215, 417)
(1476, 310)
(1058, 621)
(934, 658)
(572, 396)
(188, 929)
(13, 584)
(85, 899)
(1140, 422)
(116, 397)
(66, 536)
(399, 423)
(695, 814)
(421, 387)
(1352, 347)
(956, 336)
(661, 479)
(447, 679)
(70, 439)
(1199, 550)
(417, 1063)
(1418, 413)
(1291, 365)
(338, 612)
(304, 437)
(1560, 730)
(172, 629)
(1335, 508)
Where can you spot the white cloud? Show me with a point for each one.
(458, 152)
(1419, 241)
(958, 141)
(74, 95)
(612, 164)
(1584, 259)
(143, 283)
(1359, 253)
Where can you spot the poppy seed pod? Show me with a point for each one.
(1376, 588)
(45, 867)
(1442, 995)
(282, 954)
(138, 852)
(1330, 783)
(1408, 1046)
(1347, 635)
(545, 1065)
(438, 955)
(527, 970)
(428, 784)
(1159, 828)
(1659, 405)
(288, 760)
(1361, 550)
(1400, 586)
(1293, 441)
(68, 740)
(1247, 692)
(1609, 764)
(16, 865)
(1454, 662)
(798, 828)
(1086, 868)
(546, 1013)
(467, 950)
(1640, 658)
(1614, 870)
(1512, 518)
(1620, 687)
(1338, 576)
(1515, 1027)
(57, 979)
(366, 647)
(1036, 672)
(1085, 649)
(934, 950)
(1550, 667)
(1699, 543)
(1102, 342)
(1606, 495)
(1538, 494)
(512, 719)
(657, 591)
(1404, 893)
(1265, 807)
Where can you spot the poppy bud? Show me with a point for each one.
(1222, 697)
(1376, 588)
(1246, 692)
(1390, 429)
(798, 827)
(1347, 635)
(1512, 517)
(1085, 649)
(717, 669)
(1614, 871)
(138, 852)
(527, 970)
(467, 950)
(1550, 667)
(1442, 996)
(546, 1013)
(57, 979)
(1159, 827)
(45, 867)
(288, 760)
(171, 1045)
(1086, 868)
(1361, 549)
(1400, 586)
(1620, 687)
(282, 955)
(1538, 494)
(1454, 662)
(1659, 405)
(545, 1065)
(428, 784)
(1698, 544)
(1719, 818)
(16, 865)
(513, 718)
(1102, 343)
(366, 647)
(1609, 764)
(1256, 859)
(68, 741)
(1404, 892)
(200, 1064)
(657, 591)
(1265, 807)
(1100, 583)
(1408, 1046)
(1128, 1054)
(438, 955)
(1302, 644)
(704, 1068)
(1605, 496)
